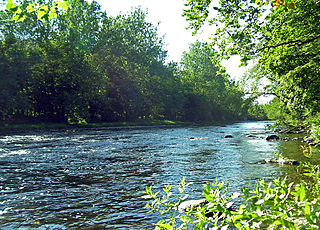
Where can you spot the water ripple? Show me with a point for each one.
(95, 178)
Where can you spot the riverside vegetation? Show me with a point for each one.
(80, 65)
(275, 205)
(84, 66)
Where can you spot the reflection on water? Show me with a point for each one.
(95, 178)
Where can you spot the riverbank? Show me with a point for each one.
(41, 126)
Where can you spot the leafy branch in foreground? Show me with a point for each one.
(43, 11)
(167, 204)
(275, 205)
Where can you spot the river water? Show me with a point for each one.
(95, 178)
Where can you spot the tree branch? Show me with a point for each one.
(291, 43)
(260, 93)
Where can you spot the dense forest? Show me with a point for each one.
(86, 66)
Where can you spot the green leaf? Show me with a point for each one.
(237, 217)
(302, 192)
(22, 18)
(31, 7)
(43, 12)
(10, 5)
(52, 14)
(307, 209)
(277, 222)
(259, 3)
(14, 8)
(65, 5)
(57, 4)
(161, 225)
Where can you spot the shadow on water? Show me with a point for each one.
(95, 178)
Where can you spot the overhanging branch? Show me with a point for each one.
(260, 93)
(291, 43)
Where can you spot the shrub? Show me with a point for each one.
(275, 205)
(315, 132)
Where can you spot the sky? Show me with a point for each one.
(172, 25)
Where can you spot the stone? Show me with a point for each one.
(191, 204)
(278, 161)
(272, 137)
(308, 139)
(228, 136)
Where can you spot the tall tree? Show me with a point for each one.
(14, 72)
(210, 95)
(127, 50)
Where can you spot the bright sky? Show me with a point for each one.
(172, 25)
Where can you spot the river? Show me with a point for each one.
(95, 178)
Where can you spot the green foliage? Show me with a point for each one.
(315, 132)
(283, 36)
(84, 66)
(167, 204)
(275, 205)
(14, 63)
(257, 112)
(275, 109)
(43, 11)
(210, 95)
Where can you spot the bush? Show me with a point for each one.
(275, 205)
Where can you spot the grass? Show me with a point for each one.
(7, 127)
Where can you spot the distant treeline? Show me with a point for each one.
(86, 66)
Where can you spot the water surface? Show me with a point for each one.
(94, 178)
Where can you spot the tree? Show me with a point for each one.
(210, 96)
(128, 52)
(14, 63)
(56, 78)
(282, 35)
(61, 84)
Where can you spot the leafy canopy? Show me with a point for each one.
(282, 35)
(43, 11)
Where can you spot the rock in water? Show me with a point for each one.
(278, 161)
(191, 204)
(272, 138)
